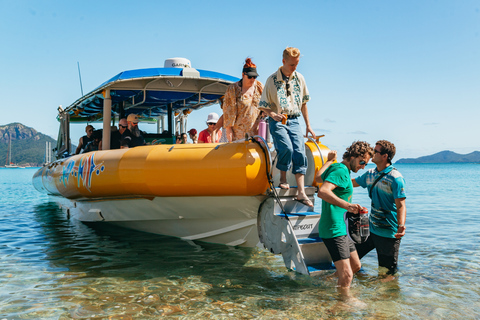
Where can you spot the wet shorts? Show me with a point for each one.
(339, 247)
(387, 251)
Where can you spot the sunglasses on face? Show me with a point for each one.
(123, 126)
(211, 124)
(362, 163)
(252, 77)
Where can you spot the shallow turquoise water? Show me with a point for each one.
(55, 268)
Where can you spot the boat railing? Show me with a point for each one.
(268, 153)
(318, 147)
(273, 190)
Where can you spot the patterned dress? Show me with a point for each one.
(240, 111)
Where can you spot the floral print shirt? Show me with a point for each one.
(275, 96)
(241, 112)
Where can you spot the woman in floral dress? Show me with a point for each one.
(240, 106)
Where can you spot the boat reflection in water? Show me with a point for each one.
(100, 270)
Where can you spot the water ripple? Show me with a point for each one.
(56, 268)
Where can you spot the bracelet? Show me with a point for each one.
(401, 225)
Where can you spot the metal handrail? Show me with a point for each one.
(269, 152)
(319, 150)
(269, 173)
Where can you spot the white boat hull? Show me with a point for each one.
(229, 220)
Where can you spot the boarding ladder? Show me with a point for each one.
(294, 235)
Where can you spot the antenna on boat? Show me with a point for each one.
(80, 77)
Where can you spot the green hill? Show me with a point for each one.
(445, 157)
(28, 145)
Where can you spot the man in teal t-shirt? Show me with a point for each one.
(336, 194)
(388, 213)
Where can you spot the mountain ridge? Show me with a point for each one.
(28, 148)
(28, 145)
(446, 156)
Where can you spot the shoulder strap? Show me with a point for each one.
(376, 180)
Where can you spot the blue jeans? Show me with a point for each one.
(288, 140)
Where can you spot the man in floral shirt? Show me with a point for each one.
(284, 99)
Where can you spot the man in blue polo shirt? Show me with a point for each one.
(386, 188)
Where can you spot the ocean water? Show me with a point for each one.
(55, 268)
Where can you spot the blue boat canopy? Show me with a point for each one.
(150, 93)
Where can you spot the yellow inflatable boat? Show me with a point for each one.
(208, 192)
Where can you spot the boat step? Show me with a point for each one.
(293, 215)
(295, 237)
(316, 268)
(290, 205)
(292, 192)
(309, 240)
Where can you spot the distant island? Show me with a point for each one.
(28, 148)
(28, 145)
(445, 157)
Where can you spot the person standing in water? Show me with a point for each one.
(336, 193)
(386, 188)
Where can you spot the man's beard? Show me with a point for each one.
(135, 131)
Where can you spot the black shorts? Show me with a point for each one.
(339, 247)
(387, 251)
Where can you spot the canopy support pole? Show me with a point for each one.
(170, 119)
(107, 118)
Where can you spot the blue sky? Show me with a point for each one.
(405, 71)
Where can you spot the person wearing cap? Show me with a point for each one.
(116, 134)
(240, 106)
(94, 145)
(193, 135)
(122, 125)
(133, 132)
(284, 100)
(210, 135)
(84, 140)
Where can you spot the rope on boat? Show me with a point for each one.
(269, 176)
